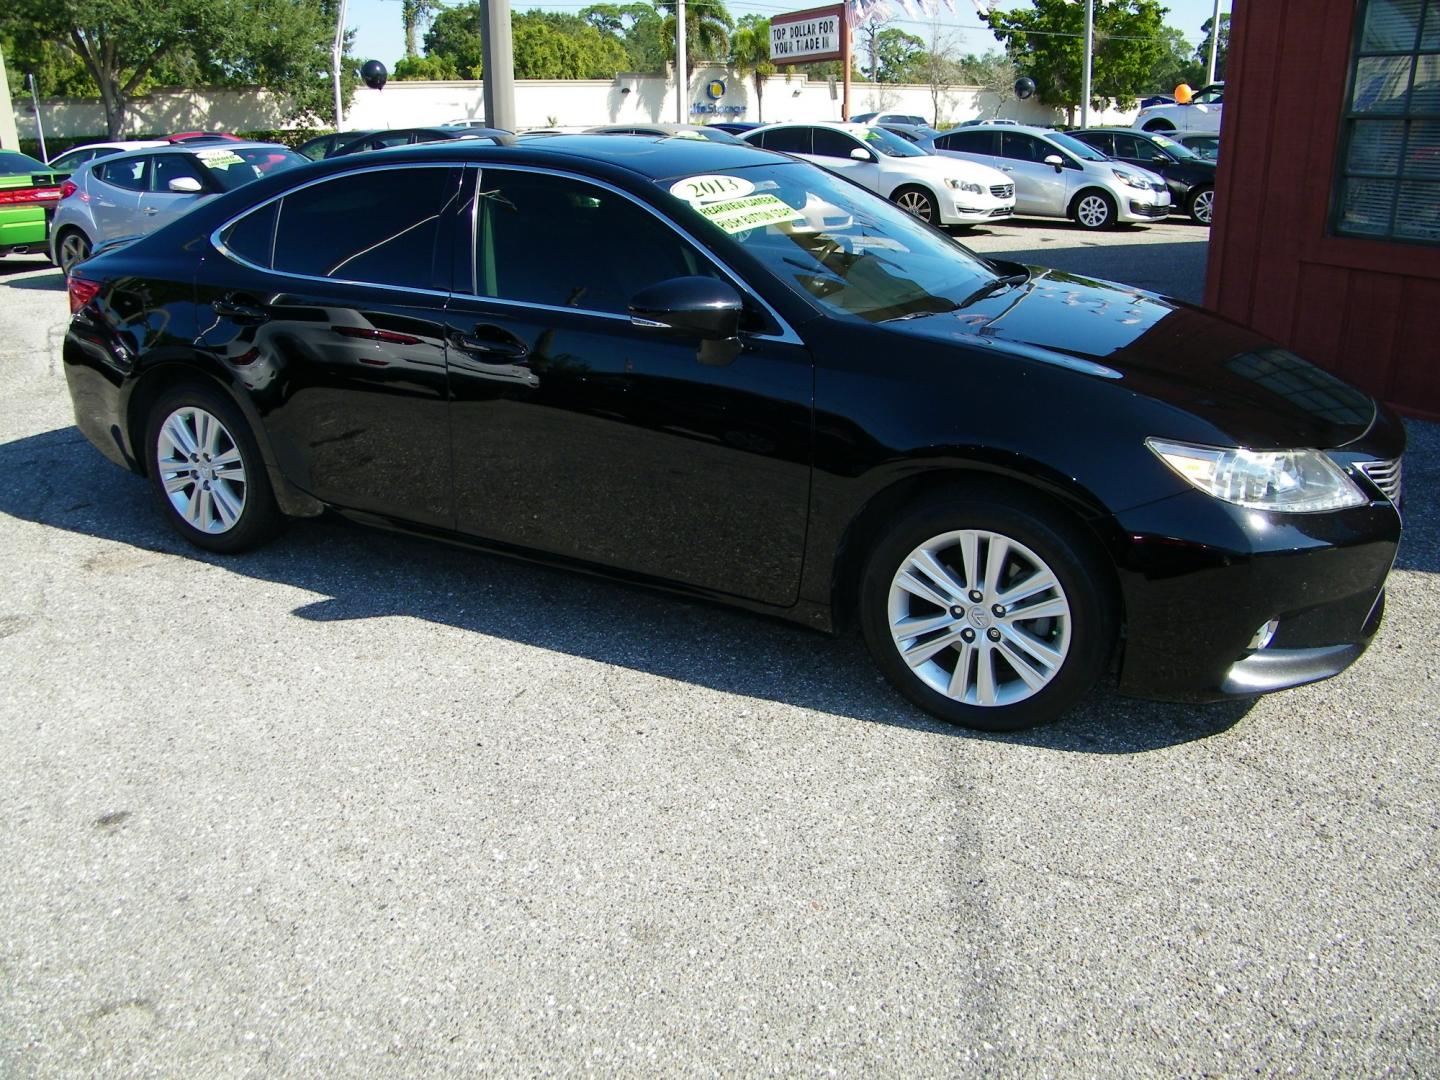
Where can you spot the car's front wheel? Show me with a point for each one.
(1094, 210)
(919, 203)
(1202, 205)
(72, 249)
(988, 611)
(207, 472)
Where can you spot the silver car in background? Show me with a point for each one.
(134, 193)
(1057, 176)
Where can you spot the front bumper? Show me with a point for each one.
(1199, 578)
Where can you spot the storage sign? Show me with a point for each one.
(802, 37)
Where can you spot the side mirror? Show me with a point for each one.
(1055, 161)
(703, 307)
(861, 154)
(185, 185)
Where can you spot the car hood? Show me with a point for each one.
(1248, 388)
(934, 165)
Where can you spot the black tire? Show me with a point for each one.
(917, 202)
(1081, 214)
(72, 247)
(1085, 639)
(1201, 205)
(257, 519)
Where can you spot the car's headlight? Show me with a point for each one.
(965, 185)
(1290, 481)
(1131, 179)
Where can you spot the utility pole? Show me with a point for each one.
(682, 77)
(498, 57)
(1214, 44)
(39, 127)
(337, 55)
(845, 47)
(1089, 63)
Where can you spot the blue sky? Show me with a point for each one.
(378, 35)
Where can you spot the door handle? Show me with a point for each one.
(491, 342)
(239, 311)
(150, 211)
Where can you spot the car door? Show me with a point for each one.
(158, 204)
(115, 200)
(582, 434)
(831, 149)
(329, 308)
(1039, 188)
(976, 146)
(1204, 112)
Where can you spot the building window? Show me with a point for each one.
(1390, 156)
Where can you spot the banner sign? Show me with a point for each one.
(803, 37)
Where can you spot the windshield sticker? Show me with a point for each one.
(219, 158)
(703, 189)
(751, 212)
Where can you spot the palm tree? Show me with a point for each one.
(750, 55)
(707, 31)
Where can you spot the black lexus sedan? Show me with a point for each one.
(1189, 176)
(731, 374)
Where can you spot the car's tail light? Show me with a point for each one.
(17, 196)
(81, 291)
(68, 188)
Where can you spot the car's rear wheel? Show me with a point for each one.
(1159, 125)
(207, 472)
(72, 248)
(1202, 205)
(988, 611)
(919, 203)
(1094, 210)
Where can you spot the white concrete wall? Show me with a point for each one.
(540, 103)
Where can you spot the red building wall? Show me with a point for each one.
(1367, 310)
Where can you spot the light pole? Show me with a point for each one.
(498, 58)
(1214, 44)
(337, 54)
(682, 79)
(1085, 71)
(39, 126)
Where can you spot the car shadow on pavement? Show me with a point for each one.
(11, 267)
(57, 479)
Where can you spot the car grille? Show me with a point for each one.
(1146, 210)
(1003, 191)
(1002, 211)
(1386, 476)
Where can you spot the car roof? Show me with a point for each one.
(193, 149)
(1009, 129)
(850, 127)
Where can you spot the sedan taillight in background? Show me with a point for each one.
(68, 188)
(81, 291)
(22, 196)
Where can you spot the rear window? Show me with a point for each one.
(12, 162)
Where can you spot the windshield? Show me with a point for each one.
(843, 248)
(1081, 150)
(12, 162)
(891, 144)
(231, 168)
(1179, 150)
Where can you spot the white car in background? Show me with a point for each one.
(941, 191)
(76, 156)
(1202, 114)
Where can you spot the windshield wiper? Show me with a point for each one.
(1000, 283)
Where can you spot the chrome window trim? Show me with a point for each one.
(787, 333)
(221, 247)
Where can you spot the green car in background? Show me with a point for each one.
(29, 191)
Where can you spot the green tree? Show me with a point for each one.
(707, 31)
(424, 68)
(1175, 63)
(454, 40)
(896, 56)
(995, 73)
(1202, 51)
(1047, 43)
(412, 14)
(639, 27)
(750, 55)
(552, 45)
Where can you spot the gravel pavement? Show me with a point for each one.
(358, 805)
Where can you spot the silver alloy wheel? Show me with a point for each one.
(1093, 211)
(916, 203)
(73, 249)
(201, 470)
(979, 617)
(1205, 206)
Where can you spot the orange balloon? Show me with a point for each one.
(1183, 94)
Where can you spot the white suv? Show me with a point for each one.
(942, 191)
(1202, 114)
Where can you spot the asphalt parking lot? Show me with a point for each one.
(360, 805)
